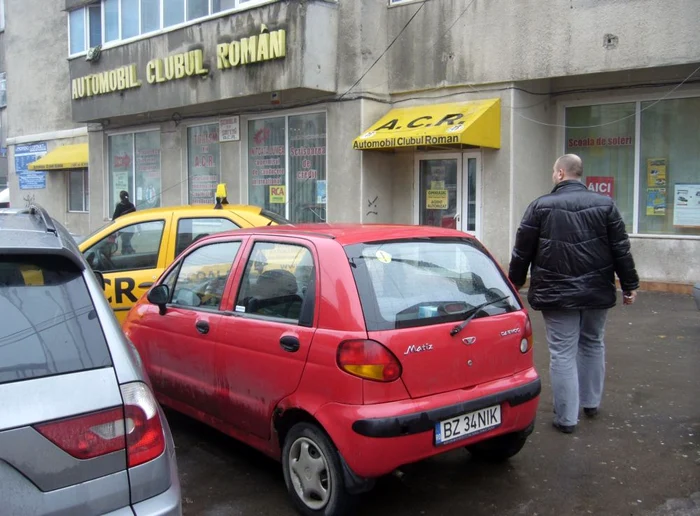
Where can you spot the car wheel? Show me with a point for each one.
(313, 473)
(499, 449)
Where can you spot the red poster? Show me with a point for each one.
(602, 185)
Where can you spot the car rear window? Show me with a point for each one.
(48, 324)
(426, 281)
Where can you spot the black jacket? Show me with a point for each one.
(123, 208)
(576, 241)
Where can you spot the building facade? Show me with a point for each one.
(444, 112)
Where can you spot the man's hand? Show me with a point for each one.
(629, 298)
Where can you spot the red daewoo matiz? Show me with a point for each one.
(344, 351)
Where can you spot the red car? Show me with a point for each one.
(343, 351)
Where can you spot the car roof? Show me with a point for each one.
(349, 234)
(196, 207)
(32, 230)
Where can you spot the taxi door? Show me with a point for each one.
(131, 256)
(188, 226)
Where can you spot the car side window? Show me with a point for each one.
(191, 230)
(202, 276)
(278, 282)
(129, 248)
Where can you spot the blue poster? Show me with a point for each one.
(24, 155)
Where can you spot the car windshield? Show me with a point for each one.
(48, 323)
(421, 282)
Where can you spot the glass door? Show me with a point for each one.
(439, 190)
(448, 191)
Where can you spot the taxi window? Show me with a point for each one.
(191, 230)
(203, 274)
(132, 247)
(278, 282)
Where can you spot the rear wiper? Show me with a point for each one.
(471, 313)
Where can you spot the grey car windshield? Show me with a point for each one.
(48, 324)
(421, 282)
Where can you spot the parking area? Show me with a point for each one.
(640, 456)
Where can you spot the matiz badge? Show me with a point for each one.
(418, 349)
(469, 340)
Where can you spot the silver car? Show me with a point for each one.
(80, 429)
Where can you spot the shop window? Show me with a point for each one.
(203, 163)
(666, 180)
(603, 136)
(287, 166)
(78, 191)
(134, 166)
(669, 193)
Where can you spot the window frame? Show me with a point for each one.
(178, 268)
(248, 4)
(604, 99)
(86, 190)
(309, 306)
(286, 115)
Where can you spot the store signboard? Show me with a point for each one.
(602, 185)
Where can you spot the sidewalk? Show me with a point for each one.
(642, 455)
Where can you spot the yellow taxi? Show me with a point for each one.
(133, 251)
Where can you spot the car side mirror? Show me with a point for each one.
(159, 295)
(100, 278)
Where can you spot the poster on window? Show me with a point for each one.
(686, 205)
(147, 169)
(656, 202)
(203, 157)
(656, 173)
(121, 159)
(307, 166)
(266, 163)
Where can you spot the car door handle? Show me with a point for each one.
(290, 343)
(146, 284)
(202, 327)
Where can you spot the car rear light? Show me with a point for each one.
(144, 431)
(368, 359)
(526, 342)
(87, 436)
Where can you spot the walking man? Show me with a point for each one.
(575, 241)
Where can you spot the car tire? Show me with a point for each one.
(499, 449)
(313, 473)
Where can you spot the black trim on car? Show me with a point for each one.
(418, 422)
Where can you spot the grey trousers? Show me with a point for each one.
(577, 360)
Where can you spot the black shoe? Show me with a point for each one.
(565, 429)
(590, 411)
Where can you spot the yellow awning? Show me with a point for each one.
(67, 156)
(476, 123)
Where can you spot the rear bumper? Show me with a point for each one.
(165, 504)
(376, 439)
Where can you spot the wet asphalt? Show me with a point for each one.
(641, 456)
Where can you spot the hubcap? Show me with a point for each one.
(308, 469)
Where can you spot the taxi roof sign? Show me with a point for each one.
(220, 196)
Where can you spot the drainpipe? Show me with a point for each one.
(696, 294)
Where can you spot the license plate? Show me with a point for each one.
(467, 425)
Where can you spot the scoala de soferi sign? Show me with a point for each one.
(265, 46)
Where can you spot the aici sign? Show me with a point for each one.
(602, 185)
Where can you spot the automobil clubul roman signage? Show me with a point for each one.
(265, 46)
